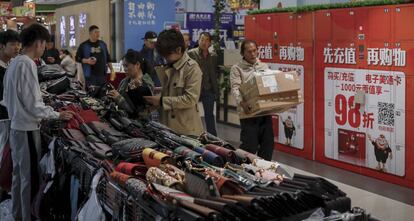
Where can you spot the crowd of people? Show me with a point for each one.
(166, 76)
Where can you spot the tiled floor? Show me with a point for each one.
(382, 200)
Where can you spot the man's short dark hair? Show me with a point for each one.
(244, 43)
(93, 27)
(206, 34)
(168, 41)
(33, 33)
(9, 36)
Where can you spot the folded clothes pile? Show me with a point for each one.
(154, 173)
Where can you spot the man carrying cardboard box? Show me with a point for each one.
(256, 132)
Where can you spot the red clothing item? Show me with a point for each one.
(37, 62)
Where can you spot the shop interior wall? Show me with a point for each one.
(98, 13)
(265, 4)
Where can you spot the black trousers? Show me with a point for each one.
(257, 136)
(94, 80)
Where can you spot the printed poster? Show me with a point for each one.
(291, 122)
(62, 32)
(72, 31)
(365, 118)
(199, 22)
(141, 16)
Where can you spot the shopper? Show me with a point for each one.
(94, 56)
(256, 133)
(9, 48)
(151, 55)
(68, 63)
(181, 84)
(187, 41)
(209, 86)
(51, 55)
(22, 97)
(137, 84)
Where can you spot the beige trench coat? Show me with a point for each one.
(181, 85)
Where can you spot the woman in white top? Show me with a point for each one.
(68, 63)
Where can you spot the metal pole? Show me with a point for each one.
(119, 28)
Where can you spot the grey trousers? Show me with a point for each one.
(4, 135)
(25, 150)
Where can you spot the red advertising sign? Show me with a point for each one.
(357, 69)
(288, 46)
(364, 70)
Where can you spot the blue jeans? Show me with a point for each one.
(208, 98)
(74, 190)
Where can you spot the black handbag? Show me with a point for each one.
(137, 96)
(50, 72)
(86, 130)
(100, 91)
(115, 123)
(58, 86)
(101, 150)
(131, 149)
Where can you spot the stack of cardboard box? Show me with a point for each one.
(269, 92)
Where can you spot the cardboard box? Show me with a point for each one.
(269, 82)
(269, 110)
(269, 106)
(291, 96)
(272, 105)
(277, 100)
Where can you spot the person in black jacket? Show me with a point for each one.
(151, 55)
(9, 48)
(207, 60)
(137, 84)
(51, 55)
(94, 56)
